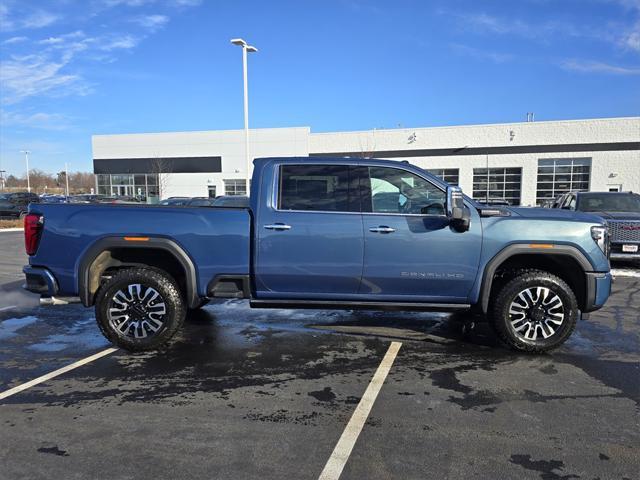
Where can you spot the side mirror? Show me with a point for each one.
(457, 212)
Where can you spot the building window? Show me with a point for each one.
(449, 175)
(212, 191)
(561, 175)
(497, 185)
(235, 187)
(144, 187)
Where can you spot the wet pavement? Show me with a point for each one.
(267, 393)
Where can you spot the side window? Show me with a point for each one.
(397, 191)
(572, 202)
(316, 188)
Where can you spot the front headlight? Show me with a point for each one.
(600, 235)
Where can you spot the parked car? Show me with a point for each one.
(621, 212)
(16, 204)
(53, 199)
(174, 201)
(316, 236)
(87, 198)
(239, 201)
(201, 202)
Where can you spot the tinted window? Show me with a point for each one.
(397, 191)
(607, 202)
(316, 187)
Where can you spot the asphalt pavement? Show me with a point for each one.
(245, 393)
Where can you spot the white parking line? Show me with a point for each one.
(55, 373)
(333, 469)
(11, 230)
(7, 308)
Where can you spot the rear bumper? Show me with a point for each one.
(40, 280)
(598, 290)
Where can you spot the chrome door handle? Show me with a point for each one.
(278, 226)
(382, 229)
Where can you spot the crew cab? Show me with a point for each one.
(621, 213)
(325, 233)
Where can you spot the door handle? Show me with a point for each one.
(382, 229)
(278, 226)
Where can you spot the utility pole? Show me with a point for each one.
(26, 159)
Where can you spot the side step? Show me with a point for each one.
(358, 305)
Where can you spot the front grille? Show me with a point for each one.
(624, 230)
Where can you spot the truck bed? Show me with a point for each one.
(215, 239)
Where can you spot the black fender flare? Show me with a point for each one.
(107, 243)
(527, 248)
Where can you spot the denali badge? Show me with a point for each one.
(451, 276)
(630, 227)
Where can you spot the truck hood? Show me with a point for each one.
(555, 214)
(618, 215)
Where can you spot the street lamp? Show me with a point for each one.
(26, 159)
(245, 48)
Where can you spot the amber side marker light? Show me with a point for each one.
(540, 245)
(136, 239)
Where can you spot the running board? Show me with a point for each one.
(359, 305)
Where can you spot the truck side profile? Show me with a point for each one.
(325, 233)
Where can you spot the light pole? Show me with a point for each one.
(250, 49)
(66, 178)
(26, 159)
(2, 172)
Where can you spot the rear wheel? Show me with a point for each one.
(535, 311)
(139, 309)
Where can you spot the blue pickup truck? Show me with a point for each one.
(325, 233)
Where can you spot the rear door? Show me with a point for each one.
(310, 239)
(411, 251)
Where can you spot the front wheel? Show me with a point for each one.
(139, 309)
(535, 311)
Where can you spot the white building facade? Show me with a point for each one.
(523, 163)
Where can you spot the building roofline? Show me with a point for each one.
(477, 125)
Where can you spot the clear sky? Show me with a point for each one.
(73, 68)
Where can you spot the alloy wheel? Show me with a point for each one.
(137, 312)
(536, 312)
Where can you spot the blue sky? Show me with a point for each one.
(73, 68)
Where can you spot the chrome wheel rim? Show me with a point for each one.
(536, 313)
(137, 312)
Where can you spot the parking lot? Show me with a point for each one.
(268, 393)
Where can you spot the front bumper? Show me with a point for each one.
(598, 290)
(40, 280)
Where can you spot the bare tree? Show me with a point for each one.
(161, 167)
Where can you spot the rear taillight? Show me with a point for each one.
(32, 230)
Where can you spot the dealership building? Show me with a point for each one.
(523, 163)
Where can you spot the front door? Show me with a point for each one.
(310, 242)
(411, 252)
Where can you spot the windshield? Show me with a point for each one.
(4, 196)
(607, 202)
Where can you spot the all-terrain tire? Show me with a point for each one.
(129, 296)
(514, 329)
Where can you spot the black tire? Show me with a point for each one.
(131, 317)
(530, 323)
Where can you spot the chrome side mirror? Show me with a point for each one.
(457, 212)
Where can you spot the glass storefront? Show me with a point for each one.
(143, 187)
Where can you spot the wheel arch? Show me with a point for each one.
(171, 257)
(543, 258)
